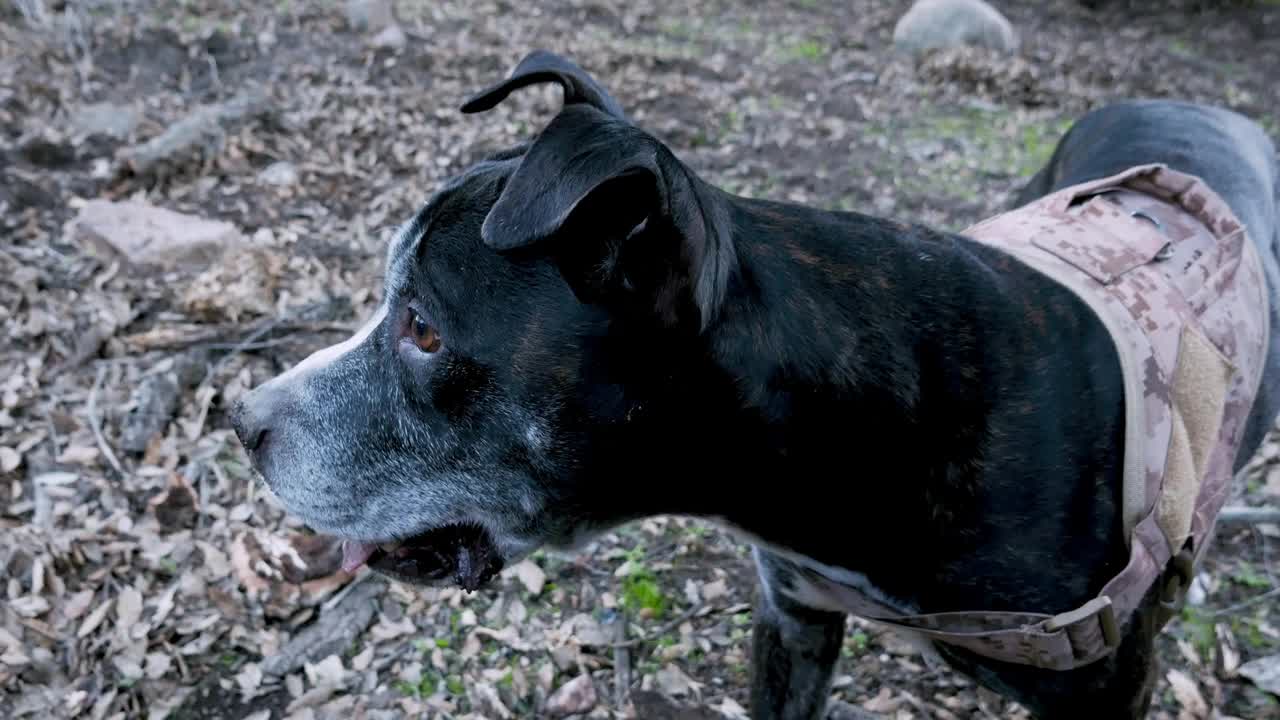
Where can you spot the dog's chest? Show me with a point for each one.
(823, 587)
(853, 593)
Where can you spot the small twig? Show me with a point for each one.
(1260, 539)
(338, 596)
(1241, 515)
(253, 338)
(96, 423)
(53, 434)
(621, 662)
(1246, 603)
(214, 80)
(203, 489)
(662, 630)
(247, 347)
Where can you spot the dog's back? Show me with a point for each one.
(1231, 153)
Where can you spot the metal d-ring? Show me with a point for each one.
(1166, 251)
(1143, 214)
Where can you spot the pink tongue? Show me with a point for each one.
(355, 553)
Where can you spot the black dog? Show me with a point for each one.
(580, 332)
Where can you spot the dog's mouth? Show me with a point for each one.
(462, 553)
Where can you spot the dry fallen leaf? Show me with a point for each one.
(175, 507)
(575, 697)
(328, 672)
(1187, 693)
(672, 681)
(360, 662)
(128, 609)
(30, 606)
(321, 556)
(157, 665)
(507, 635)
(79, 455)
(1272, 486)
(484, 697)
(531, 576)
(1263, 672)
(128, 667)
(714, 590)
(77, 604)
(586, 630)
(1228, 655)
(95, 618)
(732, 710)
(883, 702)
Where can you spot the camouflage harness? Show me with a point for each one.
(1165, 265)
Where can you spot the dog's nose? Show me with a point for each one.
(252, 419)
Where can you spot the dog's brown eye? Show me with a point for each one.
(424, 336)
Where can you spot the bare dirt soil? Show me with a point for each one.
(148, 575)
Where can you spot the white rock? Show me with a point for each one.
(145, 235)
(931, 24)
(573, 698)
(391, 37)
(279, 173)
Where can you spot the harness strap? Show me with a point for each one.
(1050, 642)
(1069, 639)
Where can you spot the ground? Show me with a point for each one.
(153, 577)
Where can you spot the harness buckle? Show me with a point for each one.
(1101, 608)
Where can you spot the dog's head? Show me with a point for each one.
(533, 311)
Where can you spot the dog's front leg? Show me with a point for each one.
(793, 652)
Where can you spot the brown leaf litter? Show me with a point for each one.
(145, 572)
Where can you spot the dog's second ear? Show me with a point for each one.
(628, 225)
(541, 66)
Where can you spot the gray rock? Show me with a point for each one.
(932, 24)
(1263, 672)
(370, 15)
(143, 235)
(117, 121)
(279, 173)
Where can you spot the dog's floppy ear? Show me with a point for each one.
(629, 226)
(541, 66)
